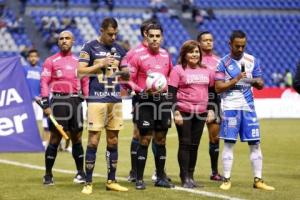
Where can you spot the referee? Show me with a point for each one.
(59, 78)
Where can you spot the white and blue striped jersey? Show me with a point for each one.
(239, 97)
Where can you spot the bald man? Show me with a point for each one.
(59, 77)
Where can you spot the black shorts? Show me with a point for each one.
(152, 112)
(68, 112)
(133, 102)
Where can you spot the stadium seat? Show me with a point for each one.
(269, 36)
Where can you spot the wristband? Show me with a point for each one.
(45, 102)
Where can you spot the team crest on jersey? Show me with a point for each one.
(230, 67)
(84, 55)
(59, 73)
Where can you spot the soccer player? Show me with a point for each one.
(155, 60)
(140, 50)
(296, 81)
(189, 84)
(236, 73)
(211, 60)
(33, 75)
(100, 59)
(59, 78)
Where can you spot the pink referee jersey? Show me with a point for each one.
(59, 74)
(211, 61)
(192, 87)
(140, 49)
(142, 64)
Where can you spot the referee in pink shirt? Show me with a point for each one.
(211, 60)
(155, 59)
(59, 78)
(189, 84)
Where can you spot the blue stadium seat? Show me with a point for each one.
(272, 38)
(248, 4)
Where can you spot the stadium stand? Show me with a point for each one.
(272, 38)
(13, 37)
(273, 35)
(249, 4)
(87, 28)
(117, 3)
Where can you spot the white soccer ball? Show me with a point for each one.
(156, 82)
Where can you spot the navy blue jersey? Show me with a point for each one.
(103, 88)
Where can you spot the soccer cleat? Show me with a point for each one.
(186, 183)
(48, 180)
(115, 186)
(154, 176)
(194, 184)
(87, 188)
(79, 178)
(260, 184)
(140, 185)
(132, 176)
(226, 185)
(164, 182)
(216, 177)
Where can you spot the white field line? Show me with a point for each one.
(203, 193)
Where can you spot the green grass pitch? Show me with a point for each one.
(281, 169)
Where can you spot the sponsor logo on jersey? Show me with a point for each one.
(146, 123)
(232, 121)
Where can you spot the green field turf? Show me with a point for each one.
(280, 146)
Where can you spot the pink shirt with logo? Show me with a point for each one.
(140, 49)
(59, 74)
(192, 87)
(142, 64)
(211, 61)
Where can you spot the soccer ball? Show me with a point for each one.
(156, 82)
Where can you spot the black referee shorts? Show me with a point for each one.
(134, 101)
(67, 111)
(152, 112)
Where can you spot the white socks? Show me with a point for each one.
(227, 158)
(256, 160)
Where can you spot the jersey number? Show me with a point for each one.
(255, 132)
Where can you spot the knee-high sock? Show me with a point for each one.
(183, 157)
(142, 153)
(50, 156)
(77, 152)
(133, 153)
(154, 151)
(160, 159)
(227, 158)
(214, 155)
(90, 159)
(112, 161)
(256, 160)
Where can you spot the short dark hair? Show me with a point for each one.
(145, 24)
(32, 51)
(202, 33)
(155, 27)
(237, 34)
(109, 21)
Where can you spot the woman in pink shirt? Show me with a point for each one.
(189, 85)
